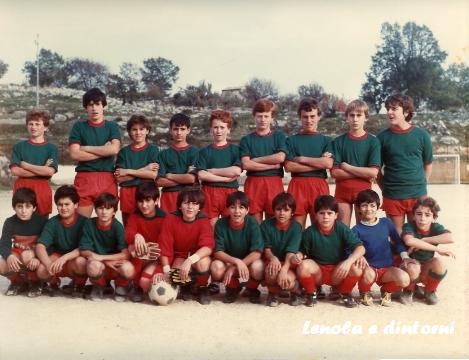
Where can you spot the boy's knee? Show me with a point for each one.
(42, 272)
(402, 279)
(256, 268)
(79, 264)
(94, 268)
(355, 271)
(368, 276)
(217, 269)
(26, 256)
(127, 270)
(203, 264)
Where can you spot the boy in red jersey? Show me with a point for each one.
(57, 247)
(34, 161)
(423, 235)
(357, 159)
(135, 163)
(218, 166)
(262, 155)
(103, 245)
(176, 163)
(18, 261)
(282, 239)
(407, 156)
(94, 144)
(143, 229)
(324, 245)
(186, 242)
(309, 155)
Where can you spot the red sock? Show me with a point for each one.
(364, 288)
(54, 281)
(145, 281)
(121, 282)
(32, 276)
(100, 281)
(201, 279)
(410, 287)
(252, 284)
(431, 284)
(233, 284)
(347, 285)
(273, 289)
(308, 283)
(80, 280)
(14, 277)
(138, 267)
(391, 287)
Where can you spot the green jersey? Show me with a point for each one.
(35, 154)
(176, 160)
(411, 229)
(362, 151)
(61, 238)
(281, 240)
(130, 157)
(103, 240)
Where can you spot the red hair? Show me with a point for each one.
(223, 116)
(264, 105)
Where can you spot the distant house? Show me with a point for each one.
(235, 91)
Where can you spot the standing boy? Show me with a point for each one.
(176, 163)
(262, 155)
(309, 155)
(34, 161)
(407, 158)
(135, 163)
(357, 159)
(94, 144)
(218, 166)
(18, 261)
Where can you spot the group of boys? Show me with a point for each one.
(217, 231)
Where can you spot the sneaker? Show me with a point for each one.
(35, 289)
(272, 300)
(231, 295)
(254, 296)
(120, 294)
(367, 299)
(97, 293)
(108, 289)
(13, 289)
(285, 294)
(185, 293)
(407, 297)
(348, 301)
(214, 288)
(334, 294)
(431, 298)
(321, 295)
(203, 295)
(395, 295)
(68, 289)
(294, 299)
(86, 292)
(51, 290)
(419, 292)
(386, 299)
(311, 299)
(136, 294)
(78, 291)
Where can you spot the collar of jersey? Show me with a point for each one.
(158, 213)
(370, 224)
(364, 136)
(103, 228)
(37, 144)
(282, 226)
(221, 146)
(133, 148)
(177, 148)
(236, 226)
(93, 124)
(400, 131)
(257, 134)
(75, 218)
(309, 132)
(325, 232)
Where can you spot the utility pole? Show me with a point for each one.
(37, 70)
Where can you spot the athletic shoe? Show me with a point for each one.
(272, 300)
(254, 296)
(431, 298)
(321, 294)
(284, 294)
(203, 297)
(121, 293)
(78, 291)
(311, 299)
(407, 297)
(231, 295)
(334, 294)
(214, 288)
(294, 299)
(348, 300)
(35, 289)
(97, 293)
(136, 294)
(51, 290)
(386, 299)
(13, 289)
(419, 292)
(395, 295)
(108, 289)
(185, 293)
(68, 289)
(367, 299)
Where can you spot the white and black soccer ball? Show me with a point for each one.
(163, 293)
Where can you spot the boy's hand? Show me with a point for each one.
(33, 264)
(406, 262)
(190, 169)
(327, 154)
(185, 268)
(153, 167)
(361, 263)
(229, 275)
(297, 259)
(284, 280)
(141, 247)
(274, 266)
(57, 266)
(160, 277)
(446, 253)
(343, 269)
(243, 270)
(14, 263)
(49, 162)
(120, 172)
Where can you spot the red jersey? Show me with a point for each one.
(148, 227)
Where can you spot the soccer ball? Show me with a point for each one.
(163, 293)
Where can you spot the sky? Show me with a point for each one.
(228, 42)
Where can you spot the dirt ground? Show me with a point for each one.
(56, 328)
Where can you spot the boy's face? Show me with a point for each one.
(138, 133)
(423, 218)
(237, 212)
(36, 128)
(179, 133)
(219, 130)
(309, 120)
(105, 215)
(326, 218)
(189, 210)
(356, 120)
(396, 114)
(368, 211)
(24, 211)
(147, 207)
(283, 214)
(66, 208)
(263, 121)
(95, 111)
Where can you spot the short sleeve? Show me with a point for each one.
(327, 145)
(201, 163)
(394, 235)
(166, 238)
(336, 152)
(407, 229)
(427, 154)
(256, 239)
(295, 241)
(265, 235)
(351, 239)
(206, 234)
(75, 134)
(290, 155)
(219, 236)
(114, 131)
(48, 234)
(235, 158)
(16, 155)
(54, 155)
(119, 232)
(374, 158)
(281, 142)
(244, 149)
(120, 161)
(438, 229)
(162, 163)
(86, 241)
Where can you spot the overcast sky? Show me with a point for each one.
(228, 42)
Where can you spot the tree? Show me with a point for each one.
(161, 73)
(408, 61)
(453, 89)
(125, 85)
(195, 95)
(3, 68)
(51, 69)
(257, 89)
(84, 74)
(311, 90)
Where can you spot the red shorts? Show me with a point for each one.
(215, 200)
(397, 207)
(305, 190)
(379, 272)
(42, 190)
(260, 191)
(90, 185)
(346, 191)
(127, 201)
(17, 251)
(326, 273)
(168, 201)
